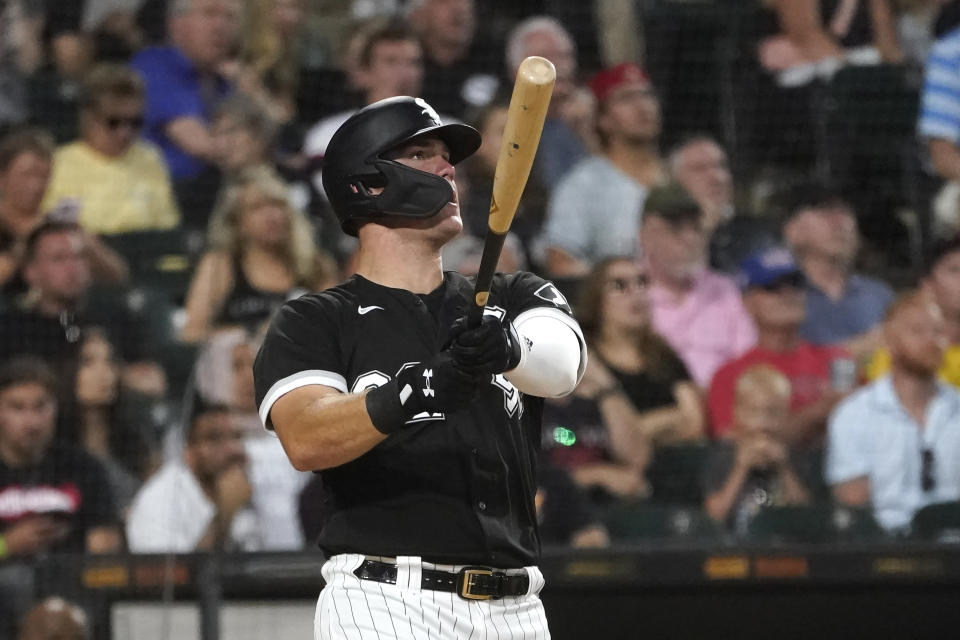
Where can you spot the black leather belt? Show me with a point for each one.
(470, 583)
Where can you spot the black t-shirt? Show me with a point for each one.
(454, 488)
(248, 306)
(66, 483)
(57, 338)
(648, 391)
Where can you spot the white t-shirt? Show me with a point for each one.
(171, 513)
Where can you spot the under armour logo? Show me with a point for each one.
(427, 391)
(428, 110)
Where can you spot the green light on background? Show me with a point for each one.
(564, 436)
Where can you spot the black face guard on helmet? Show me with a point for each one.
(354, 163)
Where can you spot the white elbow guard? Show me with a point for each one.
(553, 356)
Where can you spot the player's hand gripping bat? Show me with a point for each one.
(521, 135)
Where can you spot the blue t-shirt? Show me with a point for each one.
(861, 308)
(174, 89)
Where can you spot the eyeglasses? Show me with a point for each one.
(620, 285)
(115, 122)
(792, 280)
(928, 480)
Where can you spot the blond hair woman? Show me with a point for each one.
(261, 252)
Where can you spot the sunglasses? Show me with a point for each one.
(928, 481)
(792, 280)
(620, 285)
(116, 122)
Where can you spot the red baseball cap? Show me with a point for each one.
(604, 82)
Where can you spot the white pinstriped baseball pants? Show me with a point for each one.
(353, 609)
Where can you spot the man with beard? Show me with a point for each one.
(595, 210)
(895, 444)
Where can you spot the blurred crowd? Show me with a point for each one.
(754, 207)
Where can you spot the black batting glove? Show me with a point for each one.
(491, 348)
(440, 385)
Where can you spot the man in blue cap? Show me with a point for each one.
(819, 375)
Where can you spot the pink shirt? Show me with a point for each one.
(708, 327)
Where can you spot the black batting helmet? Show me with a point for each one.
(354, 162)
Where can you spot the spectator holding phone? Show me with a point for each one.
(755, 469)
(53, 497)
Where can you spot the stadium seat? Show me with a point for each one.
(938, 522)
(814, 525)
(650, 522)
(160, 260)
(674, 473)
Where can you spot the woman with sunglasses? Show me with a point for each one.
(636, 393)
(116, 181)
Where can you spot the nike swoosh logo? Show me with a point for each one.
(366, 310)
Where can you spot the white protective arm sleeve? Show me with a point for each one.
(554, 354)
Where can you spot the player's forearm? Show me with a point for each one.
(328, 432)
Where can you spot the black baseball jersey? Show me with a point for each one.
(453, 488)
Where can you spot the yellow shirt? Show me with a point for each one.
(879, 365)
(131, 192)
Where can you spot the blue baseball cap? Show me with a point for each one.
(767, 267)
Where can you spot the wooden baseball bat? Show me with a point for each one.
(521, 135)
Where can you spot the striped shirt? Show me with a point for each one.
(940, 107)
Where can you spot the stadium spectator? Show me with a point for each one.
(261, 252)
(595, 210)
(699, 164)
(941, 280)
(698, 311)
(843, 307)
(755, 469)
(105, 420)
(25, 161)
(48, 320)
(631, 361)
(564, 515)
(461, 67)
(815, 32)
(53, 497)
(243, 137)
(476, 175)
(200, 500)
(118, 182)
(773, 294)
(389, 63)
(636, 392)
(55, 619)
(939, 123)
(53, 89)
(225, 377)
(271, 40)
(184, 83)
(20, 54)
(24, 173)
(894, 445)
(568, 132)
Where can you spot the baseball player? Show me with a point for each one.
(424, 430)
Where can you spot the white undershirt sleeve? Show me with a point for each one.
(554, 354)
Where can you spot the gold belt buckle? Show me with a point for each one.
(469, 577)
